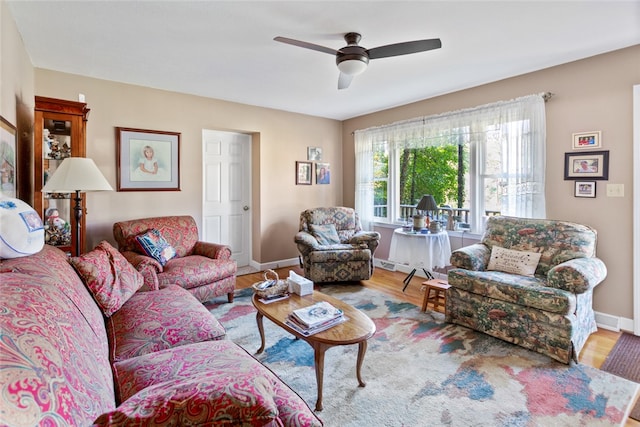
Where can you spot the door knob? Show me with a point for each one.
(246, 208)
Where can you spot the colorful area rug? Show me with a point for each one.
(624, 361)
(421, 371)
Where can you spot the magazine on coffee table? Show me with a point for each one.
(293, 323)
(316, 314)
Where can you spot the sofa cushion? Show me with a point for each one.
(219, 384)
(522, 290)
(325, 234)
(157, 320)
(196, 270)
(512, 261)
(340, 254)
(111, 279)
(155, 246)
(54, 366)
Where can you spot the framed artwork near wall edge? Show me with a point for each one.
(9, 159)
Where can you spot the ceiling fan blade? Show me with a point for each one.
(344, 80)
(306, 45)
(404, 48)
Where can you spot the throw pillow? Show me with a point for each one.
(154, 245)
(111, 279)
(22, 231)
(512, 261)
(325, 234)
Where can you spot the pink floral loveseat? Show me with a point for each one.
(105, 352)
(205, 269)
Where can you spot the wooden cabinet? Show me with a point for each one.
(60, 132)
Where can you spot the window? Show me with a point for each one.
(479, 161)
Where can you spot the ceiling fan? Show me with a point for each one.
(353, 58)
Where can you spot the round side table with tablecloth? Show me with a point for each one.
(420, 250)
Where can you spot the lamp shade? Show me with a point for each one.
(427, 203)
(352, 67)
(76, 174)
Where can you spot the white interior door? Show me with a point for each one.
(226, 216)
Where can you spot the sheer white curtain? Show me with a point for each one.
(364, 179)
(519, 126)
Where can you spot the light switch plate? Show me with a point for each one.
(615, 190)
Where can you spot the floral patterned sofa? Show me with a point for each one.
(549, 311)
(105, 352)
(334, 247)
(205, 269)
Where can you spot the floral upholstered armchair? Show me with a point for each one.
(333, 246)
(529, 282)
(166, 250)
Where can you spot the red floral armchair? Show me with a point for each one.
(204, 269)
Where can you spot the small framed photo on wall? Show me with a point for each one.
(585, 189)
(323, 173)
(314, 154)
(303, 173)
(586, 140)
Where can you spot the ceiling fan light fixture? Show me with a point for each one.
(352, 67)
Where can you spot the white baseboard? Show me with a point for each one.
(276, 264)
(613, 323)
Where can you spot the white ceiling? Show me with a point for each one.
(225, 49)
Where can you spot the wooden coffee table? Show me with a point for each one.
(356, 330)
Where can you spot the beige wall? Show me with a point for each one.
(16, 93)
(592, 94)
(280, 138)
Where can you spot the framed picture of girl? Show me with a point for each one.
(148, 160)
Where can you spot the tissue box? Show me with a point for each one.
(299, 285)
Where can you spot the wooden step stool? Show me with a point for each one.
(439, 289)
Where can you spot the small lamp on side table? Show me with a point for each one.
(76, 175)
(426, 204)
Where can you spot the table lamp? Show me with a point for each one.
(426, 204)
(77, 174)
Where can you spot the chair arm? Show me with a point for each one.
(148, 267)
(577, 275)
(306, 242)
(369, 238)
(212, 250)
(472, 257)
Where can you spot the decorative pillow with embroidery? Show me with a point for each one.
(154, 245)
(325, 234)
(111, 279)
(512, 261)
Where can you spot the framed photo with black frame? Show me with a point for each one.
(148, 160)
(585, 189)
(593, 165)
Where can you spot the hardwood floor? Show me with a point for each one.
(593, 354)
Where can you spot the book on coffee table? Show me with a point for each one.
(316, 314)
